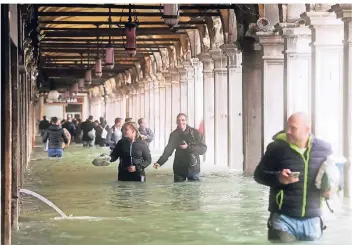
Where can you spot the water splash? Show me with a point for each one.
(32, 193)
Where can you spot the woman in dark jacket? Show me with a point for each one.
(134, 155)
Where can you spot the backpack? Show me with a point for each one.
(104, 133)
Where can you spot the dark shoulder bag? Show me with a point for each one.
(193, 160)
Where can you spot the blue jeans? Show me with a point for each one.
(282, 227)
(55, 152)
(182, 178)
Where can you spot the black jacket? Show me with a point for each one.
(44, 124)
(196, 146)
(86, 127)
(301, 199)
(70, 127)
(56, 135)
(132, 154)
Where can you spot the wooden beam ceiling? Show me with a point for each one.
(69, 33)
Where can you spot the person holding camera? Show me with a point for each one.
(289, 167)
(189, 144)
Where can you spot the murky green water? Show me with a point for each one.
(221, 209)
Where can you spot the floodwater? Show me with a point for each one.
(224, 208)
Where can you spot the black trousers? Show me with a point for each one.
(127, 176)
(182, 178)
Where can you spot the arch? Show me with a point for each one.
(194, 41)
(204, 37)
(134, 74)
(172, 57)
(164, 58)
(158, 62)
(229, 25)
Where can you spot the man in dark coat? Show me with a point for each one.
(56, 136)
(87, 128)
(189, 144)
(43, 125)
(289, 167)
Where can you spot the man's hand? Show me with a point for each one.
(144, 137)
(131, 169)
(285, 177)
(184, 146)
(156, 165)
(328, 194)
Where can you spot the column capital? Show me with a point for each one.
(183, 73)
(229, 49)
(234, 54)
(220, 60)
(328, 29)
(175, 75)
(343, 11)
(208, 63)
(317, 19)
(273, 45)
(204, 57)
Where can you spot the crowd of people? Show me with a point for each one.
(289, 166)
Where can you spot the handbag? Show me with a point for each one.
(91, 134)
(193, 160)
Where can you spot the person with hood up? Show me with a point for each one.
(134, 155)
(189, 144)
(56, 136)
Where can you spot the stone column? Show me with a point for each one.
(183, 89)
(169, 120)
(208, 106)
(124, 105)
(151, 122)
(297, 68)
(156, 113)
(162, 112)
(176, 100)
(344, 11)
(273, 84)
(252, 107)
(138, 103)
(135, 104)
(327, 82)
(190, 92)
(146, 101)
(141, 99)
(198, 91)
(235, 103)
(221, 108)
(130, 105)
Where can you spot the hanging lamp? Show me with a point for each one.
(109, 53)
(53, 94)
(81, 83)
(88, 73)
(171, 14)
(98, 63)
(130, 33)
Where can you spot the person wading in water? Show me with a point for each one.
(189, 144)
(134, 155)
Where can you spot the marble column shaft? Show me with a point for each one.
(273, 84)
(208, 107)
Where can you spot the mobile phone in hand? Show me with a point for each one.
(183, 143)
(295, 174)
